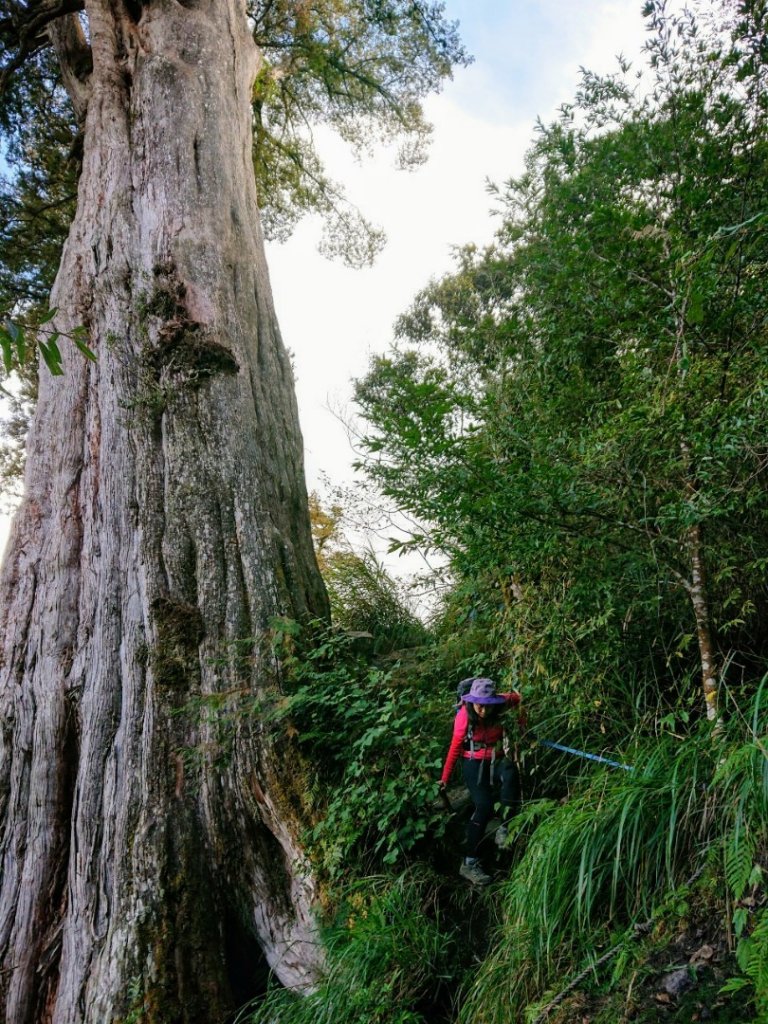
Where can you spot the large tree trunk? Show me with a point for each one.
(164, 524)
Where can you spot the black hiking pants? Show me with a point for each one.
(484, 793)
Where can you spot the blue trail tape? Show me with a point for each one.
(583, 753)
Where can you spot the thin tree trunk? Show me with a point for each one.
(164, 524)
(700, 602)
(699, 595)
(697, 586)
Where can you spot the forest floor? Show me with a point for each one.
(674, 978)
(671, 974)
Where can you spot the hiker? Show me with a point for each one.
(477, 736)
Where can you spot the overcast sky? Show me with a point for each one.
(527, 55)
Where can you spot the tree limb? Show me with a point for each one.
(23, 32)
(75, 59)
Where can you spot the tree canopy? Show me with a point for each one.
(362, 69)
(577, 413)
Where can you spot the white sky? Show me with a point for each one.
(527, 58)
(527, 55)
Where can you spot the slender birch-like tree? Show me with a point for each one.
(164, 520)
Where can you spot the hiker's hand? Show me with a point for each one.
(442, 786)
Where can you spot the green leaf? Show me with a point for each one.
(87, 352)
(49, 316)
(695, 308)
(743, 952)
(21, 345)
(7, 346)
(52, 355)
(734, 985)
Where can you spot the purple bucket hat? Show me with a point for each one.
(483, 691)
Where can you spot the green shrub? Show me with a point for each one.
(387, 955)
(365, 598)
(372, 735)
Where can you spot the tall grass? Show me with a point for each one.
(610, 857)
(388, 957)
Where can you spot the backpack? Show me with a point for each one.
(462, 690)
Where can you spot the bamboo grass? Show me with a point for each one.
(609, 857)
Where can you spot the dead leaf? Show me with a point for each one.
(702, 956)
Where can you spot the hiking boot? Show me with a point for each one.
(474, 873)
(501, 837)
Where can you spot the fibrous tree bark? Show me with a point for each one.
(164, 523)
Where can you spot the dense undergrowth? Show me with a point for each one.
(646, 866)
(619, 850)
(392, 958)
(363, 725)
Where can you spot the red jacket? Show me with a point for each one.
(484, 736)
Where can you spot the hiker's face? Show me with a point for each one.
(480, 709)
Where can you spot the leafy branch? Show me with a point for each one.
(19, 338)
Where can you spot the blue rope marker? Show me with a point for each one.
(583, 753)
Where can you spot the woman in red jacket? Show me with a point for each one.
(477, 736)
